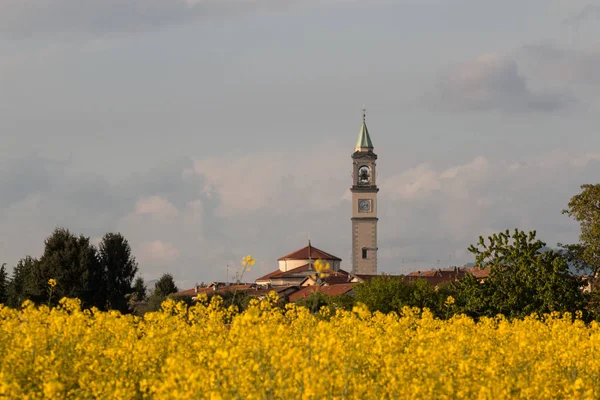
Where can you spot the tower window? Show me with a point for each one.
(364, 253)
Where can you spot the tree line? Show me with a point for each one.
(526, 277)
(102, 276)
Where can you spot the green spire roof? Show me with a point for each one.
(364, 140)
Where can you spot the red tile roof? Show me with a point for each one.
(309, 252)
(339, 276)
(479, 272)
(328, 290)
(189, 292)
(269, 275)
(437, 276)
(292, 273)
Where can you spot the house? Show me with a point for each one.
(332, 290)
(250, 289)
(447, 275)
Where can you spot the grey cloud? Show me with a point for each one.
(561, 66)
(26, 18)
(591, 12)
(493, 82)
(23, 177)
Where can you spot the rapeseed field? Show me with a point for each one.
(267, 352)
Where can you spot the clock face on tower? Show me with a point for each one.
(364, 205)
(364, 175)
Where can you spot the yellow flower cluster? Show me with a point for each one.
(248, 260)
(322, 270)
(207, 351)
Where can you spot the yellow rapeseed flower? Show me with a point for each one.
(321, 268)
(288, 352)
(248, 260)
(51, 282)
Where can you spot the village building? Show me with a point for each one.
(296, 268)
(436, 277)
(296, 271)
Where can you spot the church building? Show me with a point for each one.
(297, 267)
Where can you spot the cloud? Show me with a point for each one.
(157, 252)
(156, 206)
(561, 66)
(591, 12)
(26, 18)
(493, 82)
(278, 182)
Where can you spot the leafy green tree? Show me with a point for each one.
(523, 279)
(119, 268)
(3, 284)
(585, 209)
(21, 283)
(316, 300)
(384, 293)
(72, 261)
(423, 295)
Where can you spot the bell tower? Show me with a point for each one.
(364, 204)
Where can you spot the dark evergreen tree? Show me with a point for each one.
(139, 289)
(3, 284)
(119, 268)
(21, 283)
(165, 286)
(72, 261)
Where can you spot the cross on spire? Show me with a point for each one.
(364, 110)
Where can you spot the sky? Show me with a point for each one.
(206, 130)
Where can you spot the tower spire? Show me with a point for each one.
(364, 142)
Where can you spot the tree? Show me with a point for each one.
(139, 289)
(119, 268)
(524, 279)
(3, 284)
(391, 293)
(72, 261)
(165, 286)
(585, 209)
(21, 283)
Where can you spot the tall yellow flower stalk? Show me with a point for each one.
(247, 263)
(321, 273)
(51, 285)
